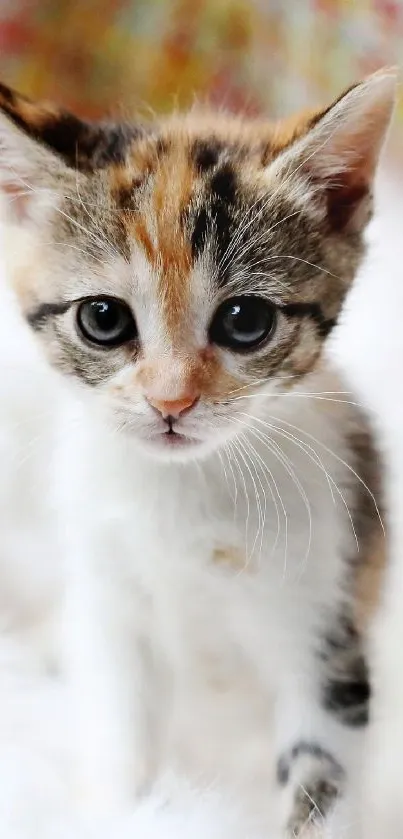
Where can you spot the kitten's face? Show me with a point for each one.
(181, 269)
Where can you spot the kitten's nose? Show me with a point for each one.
(172, 409)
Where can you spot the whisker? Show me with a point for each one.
(268, 473)
(221, 458)
(314, 457)
(230, 452)
(318, 395)
(248, 554)
(340, 460)
(276, 449)
(242, 441)
(251, 448)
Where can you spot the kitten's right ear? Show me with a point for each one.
(43, 148)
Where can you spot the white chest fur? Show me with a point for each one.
(224, 572)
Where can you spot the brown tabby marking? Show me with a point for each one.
(369, 582)
(174, 179)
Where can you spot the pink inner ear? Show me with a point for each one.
(344, 199)
(17, 197)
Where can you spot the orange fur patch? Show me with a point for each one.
(231, 557)
(166, 247)
(171, 196)
(200, 375)
(369, 581)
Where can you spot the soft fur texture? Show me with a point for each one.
(201, 608)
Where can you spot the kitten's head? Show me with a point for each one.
(176, 268)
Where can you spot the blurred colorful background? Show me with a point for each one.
(115, 56)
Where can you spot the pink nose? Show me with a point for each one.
(173, 408)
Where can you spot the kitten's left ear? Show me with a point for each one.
(43, 148)
(339, 153)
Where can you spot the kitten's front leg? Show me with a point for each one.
(107, 678)
(317, 754)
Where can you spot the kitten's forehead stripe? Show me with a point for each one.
(172, 192)
(206, 153)
(223, 184)
(157, 225)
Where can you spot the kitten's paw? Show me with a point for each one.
(312, 802)
(312, 780)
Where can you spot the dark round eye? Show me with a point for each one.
(242, 323)
(106, 321)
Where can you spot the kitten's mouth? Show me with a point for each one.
(173, 438)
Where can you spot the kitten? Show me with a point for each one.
(218, 491)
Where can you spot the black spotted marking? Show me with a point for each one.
(301, 749)
(206, 154)
(313, 311)
(88, 146)
(222, 228)
(69, 137)
(201, 231)
(213, 221)
(223, 185)
(349, 701)
(126, 196)
(346, 689)
(39, 316)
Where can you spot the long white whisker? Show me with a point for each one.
(230, 452)
(268, 474)
(242, 441)
(317, 395)
(340, 460)
(254, 456)
(288, 466)
(235, 453)
(242, 455)
(314, 457)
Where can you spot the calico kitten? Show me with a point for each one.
(218, 489)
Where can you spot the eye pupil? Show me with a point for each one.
(106, 321)
(105, 314)
(243, 323)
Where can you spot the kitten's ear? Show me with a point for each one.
(43, 148)
(340, 151)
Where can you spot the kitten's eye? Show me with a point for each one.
(106, 321)
(242, 323)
